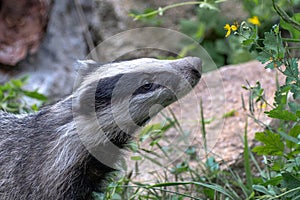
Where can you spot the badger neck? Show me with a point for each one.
(84, 153)
(100, 135)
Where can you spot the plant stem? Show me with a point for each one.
(161, 10)
(285, 16)
(290, 40)
(285, 193)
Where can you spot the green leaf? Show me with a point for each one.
(263, 57)
(98, 196)
(231, 113)
(34, 107)
(228, 193)
(294, 32)
(248, 42)
(12, 97)
(281, 96)
(180, 168)
(295, 89)
(269, 65)
(270, 41)
(282, 114)
(294, 132)
(273, 43)
(190, 150)
(291, 181)
(257, 92)
(273, 64)
(292, 69)
(209, 193)
(288, 137)
(263, 190)
(135, 158)
(211, 164)
(157, 128)
(17, 83)
(272, 143)
(273, 181)
(35, 95)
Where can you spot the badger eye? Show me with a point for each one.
(147, 85)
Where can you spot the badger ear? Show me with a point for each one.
(83, 69)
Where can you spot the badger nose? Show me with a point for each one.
(195, 68)
(195, 62)
(190, 68)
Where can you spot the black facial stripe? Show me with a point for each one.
(104, 91)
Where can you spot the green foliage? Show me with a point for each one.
(231, 113)
(13, 98)
(273, 50)
(294, 33)
(199, 28)
(207, 28)
(272, 144)
(280, 146)
(282, 114)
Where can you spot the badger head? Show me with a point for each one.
(123, 96)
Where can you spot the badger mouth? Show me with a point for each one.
(144, 121)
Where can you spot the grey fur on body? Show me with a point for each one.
(67, 150)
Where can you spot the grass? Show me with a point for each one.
(189, 176)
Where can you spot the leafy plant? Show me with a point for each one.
(14, 99)
(280, 146)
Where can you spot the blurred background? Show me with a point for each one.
(44, 38)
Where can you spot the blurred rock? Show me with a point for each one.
(50, 69)
(22, 25)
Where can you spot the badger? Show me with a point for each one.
(69, 149)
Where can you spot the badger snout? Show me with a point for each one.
(195, 62)
(190, 68)
(194, 70)
(195, 77)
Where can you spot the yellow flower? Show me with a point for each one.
(233, 27)
(228, 28)
(263, 105)
(254, 20)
